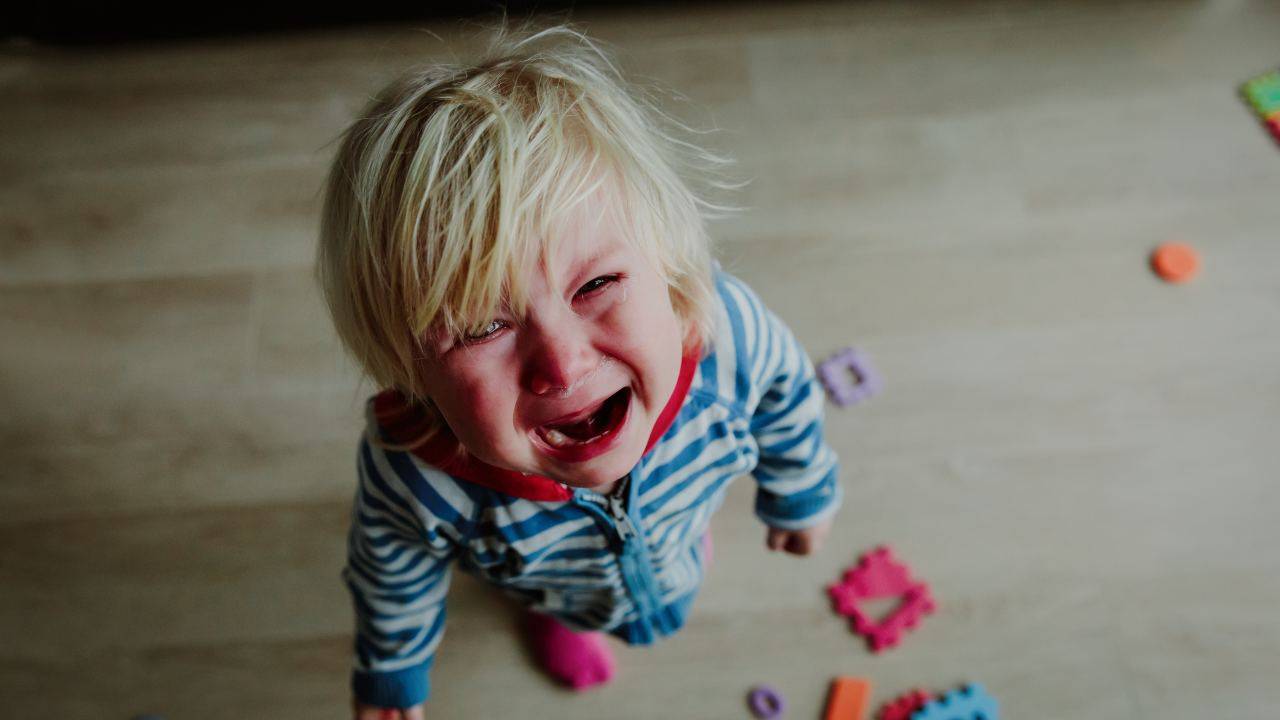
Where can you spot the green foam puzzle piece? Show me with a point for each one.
(1263, 93)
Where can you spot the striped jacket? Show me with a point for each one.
(630, 563)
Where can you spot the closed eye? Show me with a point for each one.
(595, 285)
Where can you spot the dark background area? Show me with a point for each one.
(97, 24)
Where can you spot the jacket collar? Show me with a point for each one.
(401, 422)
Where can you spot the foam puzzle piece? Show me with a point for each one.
(888, 632)
(877, 575)
(971, 702)
(1175, 262)
(848, 698)
(1263, 93)
(766, 703)
(904, 706)
(849, 376)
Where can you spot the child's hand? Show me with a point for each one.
(369, 712)
(799, 542)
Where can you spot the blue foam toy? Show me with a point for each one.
(970, 702)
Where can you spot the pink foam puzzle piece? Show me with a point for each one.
(916, 603)
(844, 597)
(879, 574)
(904, 706)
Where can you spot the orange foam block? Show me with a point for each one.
(848, 699)
(1175, 262)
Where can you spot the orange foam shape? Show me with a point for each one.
(848, 699)
(1175, 262)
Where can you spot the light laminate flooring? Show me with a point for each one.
(1081, 459)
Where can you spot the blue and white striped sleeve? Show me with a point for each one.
(406, 526)
(797, 471)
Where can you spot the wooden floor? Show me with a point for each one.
(1081, 459)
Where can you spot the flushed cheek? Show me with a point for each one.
(652, 346)
(482, 416)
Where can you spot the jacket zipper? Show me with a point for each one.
(637, 573)
(621, 520)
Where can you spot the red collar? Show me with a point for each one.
(402, 422)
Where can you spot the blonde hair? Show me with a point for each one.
(453, 180)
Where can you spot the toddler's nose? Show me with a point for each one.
(559, 362)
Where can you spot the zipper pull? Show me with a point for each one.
(620, 519)
(617, 509)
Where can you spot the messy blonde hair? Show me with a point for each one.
(455, 176)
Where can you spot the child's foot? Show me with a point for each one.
(580, 660)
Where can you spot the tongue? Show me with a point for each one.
(585, 429)
(593, 424)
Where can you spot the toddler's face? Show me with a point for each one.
(572, 390)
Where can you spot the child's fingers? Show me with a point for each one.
(798, 543)
(816, 538)
(775, 539)
(370, 712)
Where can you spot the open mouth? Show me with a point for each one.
(590, 428)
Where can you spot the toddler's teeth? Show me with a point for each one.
(557, 438)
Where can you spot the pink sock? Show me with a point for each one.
(580, 660)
